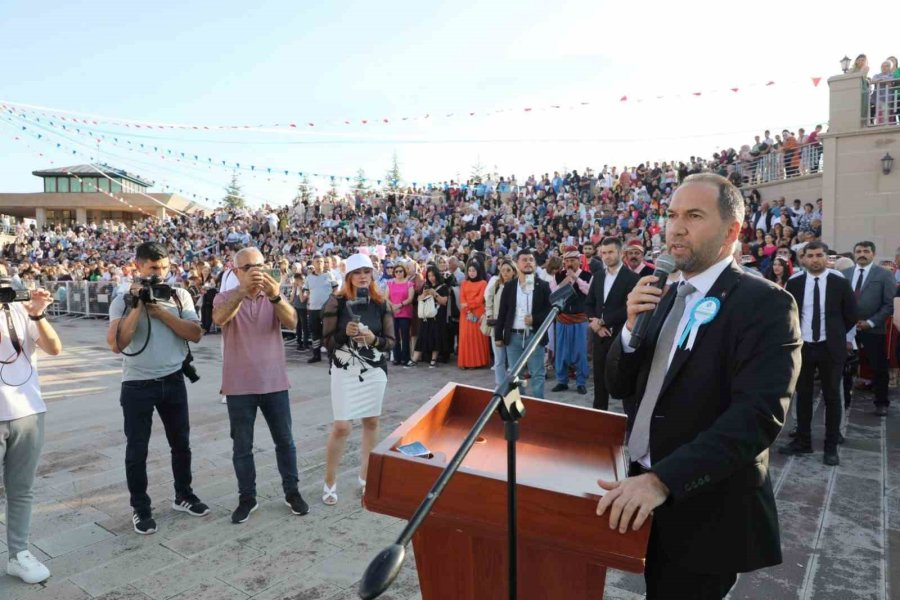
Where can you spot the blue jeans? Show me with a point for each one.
(138, 399)
(500, 367)
(276, 409)
(514, 350)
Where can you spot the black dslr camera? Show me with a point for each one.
(9, 294)
(152, 290)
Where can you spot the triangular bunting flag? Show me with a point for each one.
(623, 98)
(816, 81)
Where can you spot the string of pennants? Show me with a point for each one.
(180, 156)
(88, 119)
(70, 150)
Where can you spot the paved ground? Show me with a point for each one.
(840, 527)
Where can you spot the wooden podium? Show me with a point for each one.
(461, 548)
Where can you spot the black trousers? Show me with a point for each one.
(138, 399)
(817, 358)
(303, 331)
(667, 581)
(873, 344)
(601, 393)
(315, 329)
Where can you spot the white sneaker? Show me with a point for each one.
(27, 568)
(224, 400)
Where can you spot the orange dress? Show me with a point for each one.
(474, 346)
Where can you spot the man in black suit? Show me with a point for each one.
(874, 287)
(827, 312)
(706, 394)
(605, 308)
(524, 304)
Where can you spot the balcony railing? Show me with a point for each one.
(881, 102)
(780, 164)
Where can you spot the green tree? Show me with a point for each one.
(361, 182)
(233, 196)
(393, 177)
(304, 191)
(477, 173)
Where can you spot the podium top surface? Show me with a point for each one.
(562, 448)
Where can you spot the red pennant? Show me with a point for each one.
(697, 93)
(294, 125)
(623, 98)
(770, 83)
(816, 81)
(385, 120)
(734, 90)
(527, 110)
(311, 124)
(365, 122)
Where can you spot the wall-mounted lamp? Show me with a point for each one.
(845, 63)
(887, 163)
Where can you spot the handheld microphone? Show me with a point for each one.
(665, 264)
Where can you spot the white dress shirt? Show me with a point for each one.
(609, 280)
(807, 316)
(702, 283)
(523, 306)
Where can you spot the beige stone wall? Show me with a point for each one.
(859, 201)
(807, 188)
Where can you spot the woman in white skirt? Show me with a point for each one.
(358, 331)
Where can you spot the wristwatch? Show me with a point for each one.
(276, 299)
(40, 317)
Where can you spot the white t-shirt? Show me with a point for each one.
(20, 393)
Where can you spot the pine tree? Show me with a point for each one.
(393, 177)
(361, 182)
(233, 197)
(304, 191)
(477, 174)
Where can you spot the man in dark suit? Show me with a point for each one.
(706, 394)
(827, 312)
(605, 308)
(874, 288)
(524, 304)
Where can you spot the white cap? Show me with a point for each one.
(358, 261)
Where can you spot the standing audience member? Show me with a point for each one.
(300, 302)
(432, 340)
(572, 324)
(22, 411)
(358, 333)
(524, 305)
(827, 312)
(605, 308)
(401, 292)
(474, 346)
(874, 288)
(492, 295)
(152, 338)
(320, 284)
(254, 377)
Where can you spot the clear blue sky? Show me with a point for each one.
(278, 61)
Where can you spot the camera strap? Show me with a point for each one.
(13, 335)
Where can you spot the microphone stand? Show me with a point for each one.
(385, 567)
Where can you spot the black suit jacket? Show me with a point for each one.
(506, 316)
(840, 311)
(721, 406)
(613, 311)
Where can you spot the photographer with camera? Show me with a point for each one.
(254, 377)
(150, 326)
(23, 329)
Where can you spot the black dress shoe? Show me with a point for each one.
(797, 446)
(841, 439)
(831, 457)
(560, 387)
(314, 359)
(881, 411)
(793, 433)
(581, 390)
